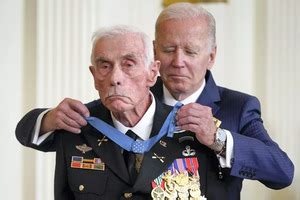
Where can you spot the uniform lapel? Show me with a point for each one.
(151, 167)
(109, 152)
(155, 162)
(163, 154)
(170, 149)
(161, 113)
(202, 153)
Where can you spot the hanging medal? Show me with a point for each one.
(157, 192)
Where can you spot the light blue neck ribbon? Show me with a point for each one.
(127, 142)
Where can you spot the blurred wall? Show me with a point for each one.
(11, 95)
(45, 48)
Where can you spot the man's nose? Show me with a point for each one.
(178, 59)
(116, 76)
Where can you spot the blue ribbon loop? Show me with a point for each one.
(127, 142)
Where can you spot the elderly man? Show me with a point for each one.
(90, 165)
(240, 148)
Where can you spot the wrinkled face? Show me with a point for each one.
(120, 74)
(183, 49)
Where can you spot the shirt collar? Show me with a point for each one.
(171, 101)
(144, 126)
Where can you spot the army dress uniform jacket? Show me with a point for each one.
(112, 181)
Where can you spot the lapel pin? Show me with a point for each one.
(163, 143)
(102, 140)
(83, 148)
(188, 151)
(160, 158)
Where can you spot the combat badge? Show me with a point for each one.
(83, 148)
(188, 151)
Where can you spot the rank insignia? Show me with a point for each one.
(81, 163)
(160, 158)
(83, 148)
(180, 181)
(163, 143)
(102, 140)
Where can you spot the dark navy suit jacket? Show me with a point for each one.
(255, 155)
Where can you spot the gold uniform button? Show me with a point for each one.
(127, 195)
(81, 187)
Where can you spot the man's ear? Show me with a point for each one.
(153, 72)
(93, 72)
(212, 58)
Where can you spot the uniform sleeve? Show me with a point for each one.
(26, 128)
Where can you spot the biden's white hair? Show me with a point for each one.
(182, 11)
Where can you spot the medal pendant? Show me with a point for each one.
(195, 192)
(158, 193)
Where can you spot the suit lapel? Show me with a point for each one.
(210, 94)
(109, 152)
(157, 89)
